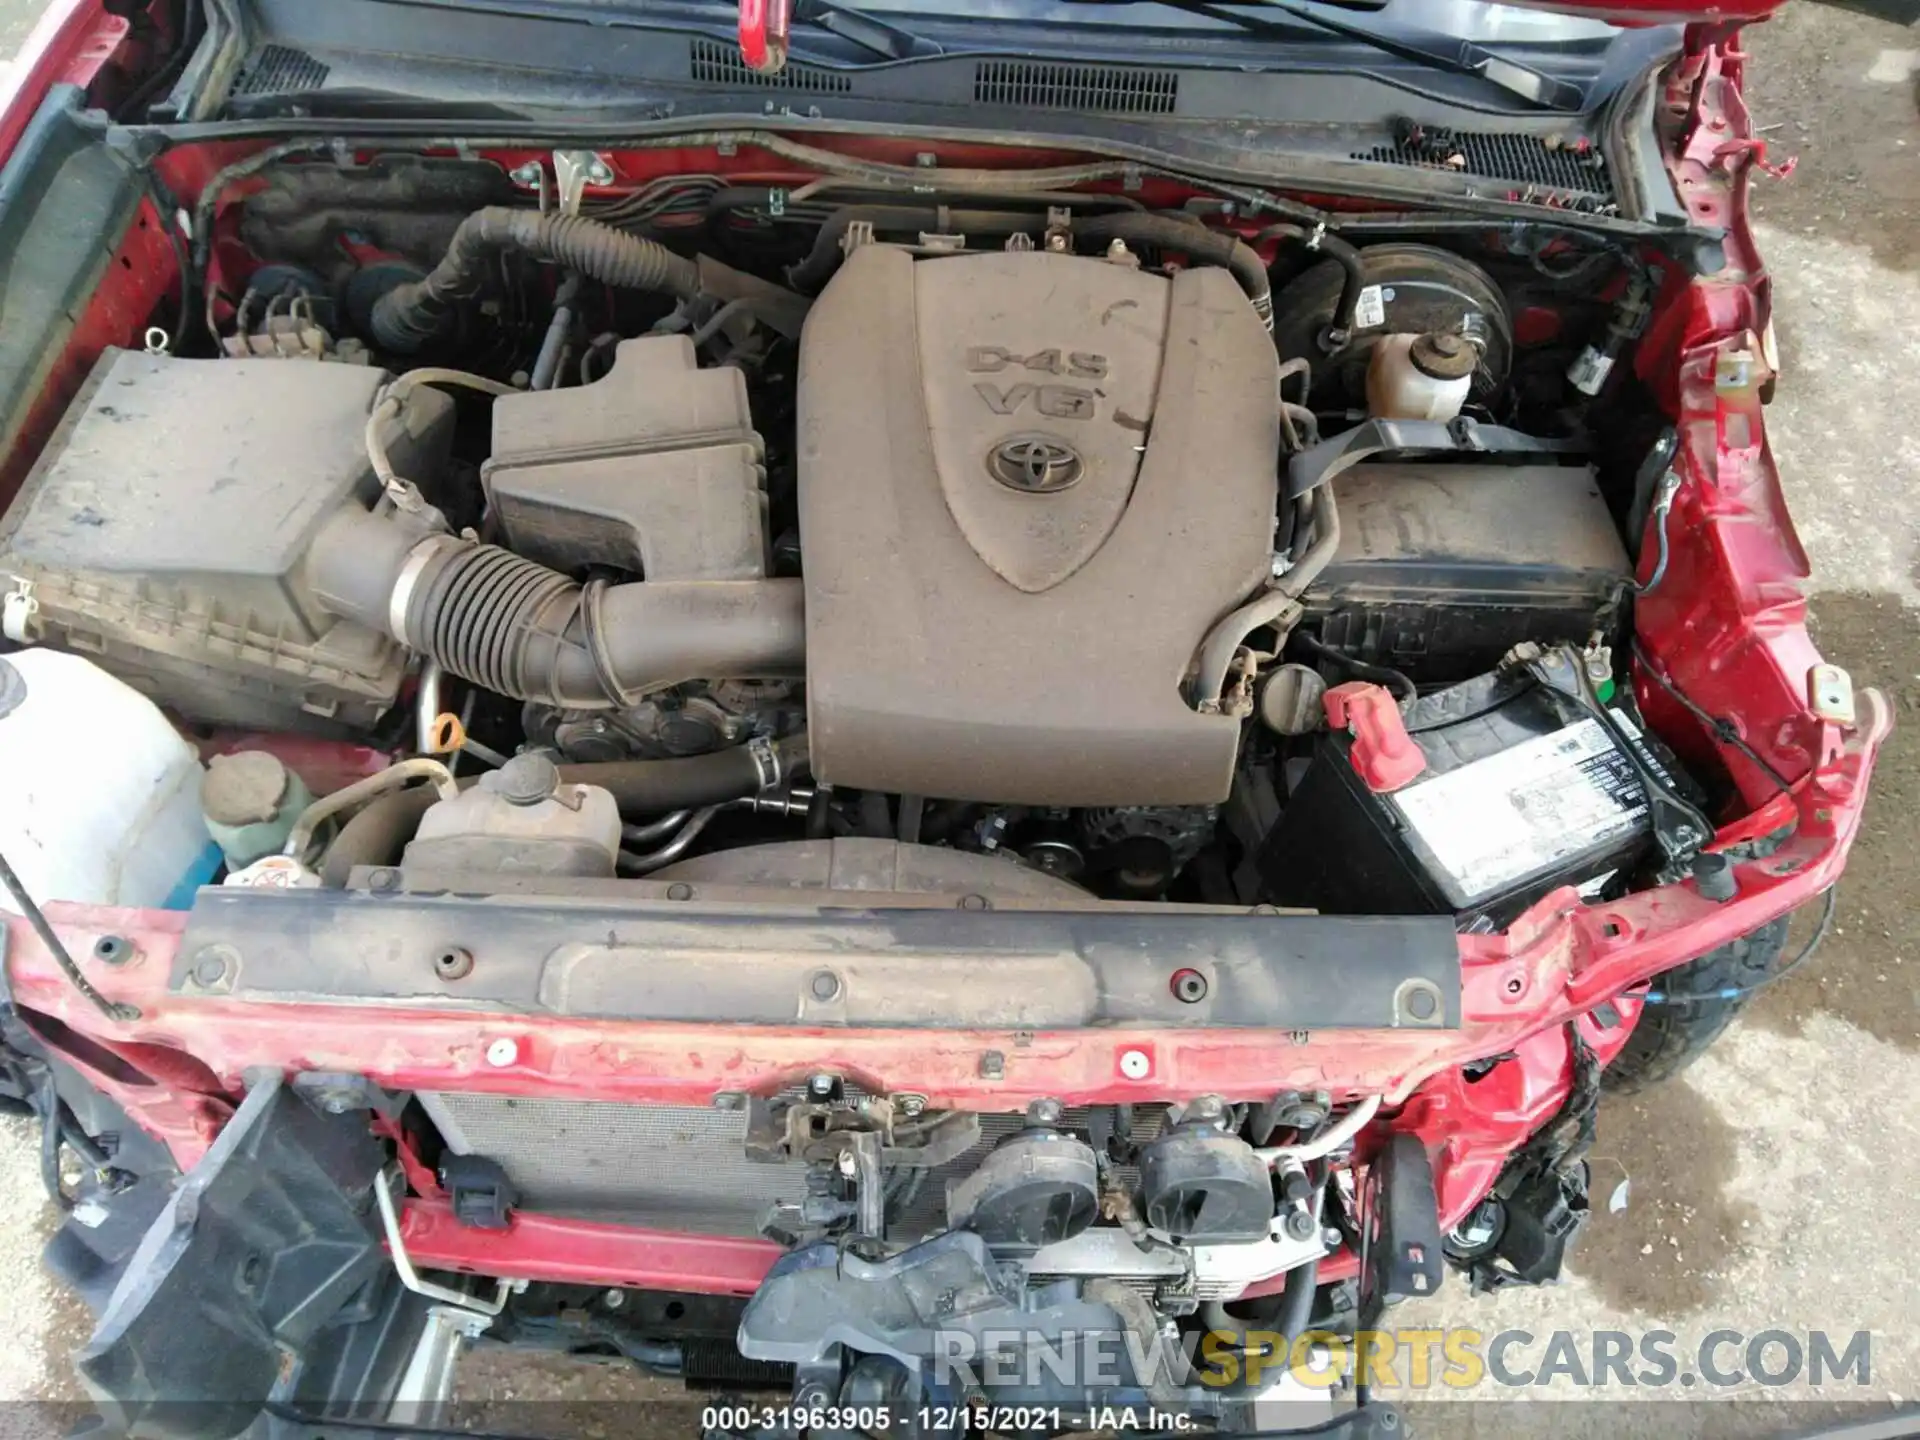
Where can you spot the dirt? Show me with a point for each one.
(1665, 1254)
(1837, 95)
(569, 1397)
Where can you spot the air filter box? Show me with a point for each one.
(164, 530)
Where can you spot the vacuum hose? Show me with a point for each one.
(521, 630)
(1317, 241)
(410, 316)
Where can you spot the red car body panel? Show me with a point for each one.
(1727, 626)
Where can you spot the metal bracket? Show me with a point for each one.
(1317, 464)
(573, 171)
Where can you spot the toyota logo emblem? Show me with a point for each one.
(1034, 464)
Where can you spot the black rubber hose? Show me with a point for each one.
(381, 829)
(1290, 1316)
(1397, 681)
(1296, 1300)
(824, 258)
(1318, 242)
(50, 1135)
(376, 834)
(1194, 240)
(409, 316)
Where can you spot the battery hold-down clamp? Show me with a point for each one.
(1384, 755)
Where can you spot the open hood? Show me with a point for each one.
(764, 24)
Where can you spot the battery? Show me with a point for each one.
(1518, 797)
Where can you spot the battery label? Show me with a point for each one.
(1509, 816)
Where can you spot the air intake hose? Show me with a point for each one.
(1189, 237)
(409, 316)
(522, 630)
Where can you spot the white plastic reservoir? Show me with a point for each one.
(99, 795)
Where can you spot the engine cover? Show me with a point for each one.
(1029, 485)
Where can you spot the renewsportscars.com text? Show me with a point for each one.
(1460, 1358)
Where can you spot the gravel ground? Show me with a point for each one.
(1778, 1183)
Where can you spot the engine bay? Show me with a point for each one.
(1128, 543)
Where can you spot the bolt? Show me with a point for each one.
(1300, 1225)
(112, 950)
(453, 963)
(1331, 1238)
(926, 160)
(527, 174)
(614, 1299)
(975, 902)
(679, 890)
(1207, 1108)
(1136, 1064)
(825, 985)
(729, 1100)
(1057, 244)
(1117, 249)
(503, 1052)
(993, 1065)
(821, 1086)
(1422, 1003)
(1044, 1112)
(210, 965)
(910, 1105)
(599, 173)
(1189, 986)
(384, 880)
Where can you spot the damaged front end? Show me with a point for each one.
(1081, 768)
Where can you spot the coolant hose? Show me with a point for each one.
(1317, 241)
(1270, 605)
(1214, 247)
(376, 835)
(1289, 1322)
(409, 316)
(511, 626)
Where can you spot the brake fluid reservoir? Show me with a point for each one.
(99, 794)
(1420, 377)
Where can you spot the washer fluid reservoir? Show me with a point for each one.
(99, 794)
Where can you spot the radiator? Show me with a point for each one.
(675, 1167)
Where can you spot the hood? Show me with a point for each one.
(764, 24)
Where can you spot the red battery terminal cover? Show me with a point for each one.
(1384, 755)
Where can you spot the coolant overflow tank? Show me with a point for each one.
(520, 820)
